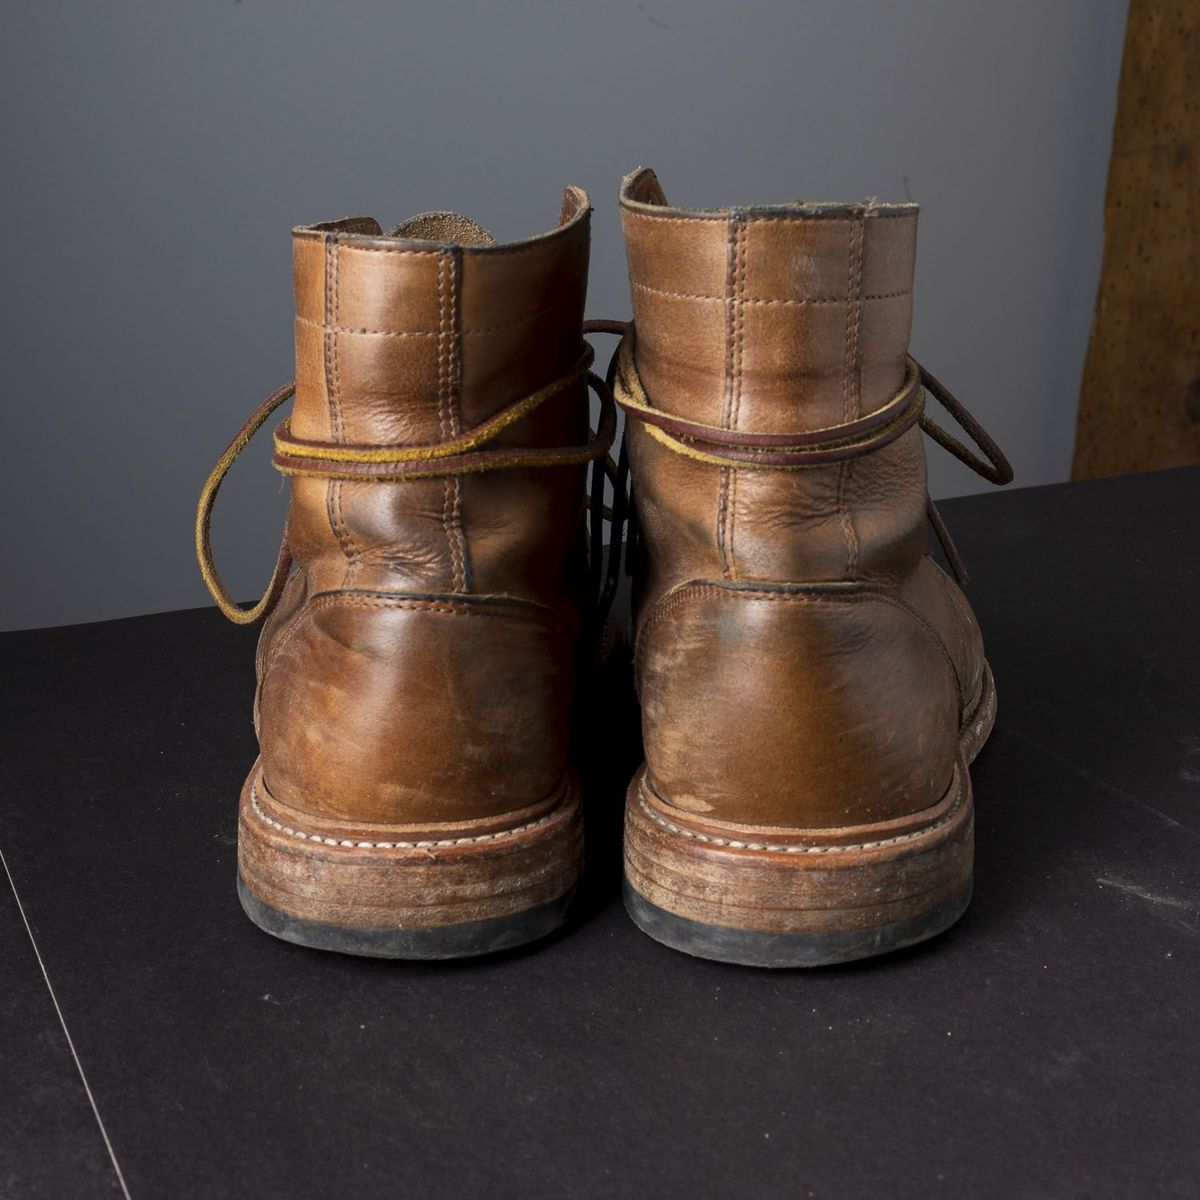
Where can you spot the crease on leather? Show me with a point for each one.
(831, 594)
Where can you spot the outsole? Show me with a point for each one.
(470, 939)
(408, 892)
(754, 948)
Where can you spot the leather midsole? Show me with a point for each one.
(395, 883)
(317, 828)
(796, 887)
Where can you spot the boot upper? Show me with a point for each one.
(801, 659)
(419, 666)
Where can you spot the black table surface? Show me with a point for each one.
(1049, 1045)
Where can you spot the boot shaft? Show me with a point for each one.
(775, 320)
(800, 660)
(420, 663)
(417, 337)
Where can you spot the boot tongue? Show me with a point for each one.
(443, 227)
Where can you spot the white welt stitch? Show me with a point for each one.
(279, 827)
(796, 849)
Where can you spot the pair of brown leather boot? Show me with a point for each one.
(813, 686)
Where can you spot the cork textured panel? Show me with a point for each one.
(1139, 408)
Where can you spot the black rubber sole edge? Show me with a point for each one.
(754, 948)
(469, 939)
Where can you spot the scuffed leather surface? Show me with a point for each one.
(769, 705)
(794, 711)
(419, 665)
(405, 709)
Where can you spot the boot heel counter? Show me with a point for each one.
(405, 709)
(808, 707)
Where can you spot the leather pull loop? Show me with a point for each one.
(204, 510)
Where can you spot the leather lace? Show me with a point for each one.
(465, 454)
(795, 451)
(469, 453)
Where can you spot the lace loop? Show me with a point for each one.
(997, 469)
(204, 510)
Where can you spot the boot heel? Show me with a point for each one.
(382, 892)
(774, 897)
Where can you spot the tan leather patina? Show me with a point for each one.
(414, 795)
(812, 684)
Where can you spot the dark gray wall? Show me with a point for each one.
(156, 153)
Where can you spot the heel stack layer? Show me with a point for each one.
(382, 893)
(751, 896)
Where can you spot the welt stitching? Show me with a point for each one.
(793, 848)
(765, 300)
(320, 839)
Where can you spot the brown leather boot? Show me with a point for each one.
(413, 797)
(813, 685)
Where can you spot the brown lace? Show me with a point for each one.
(465, 454)
(469, 453)
(793, 451)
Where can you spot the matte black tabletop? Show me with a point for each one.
(1049, 1045)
